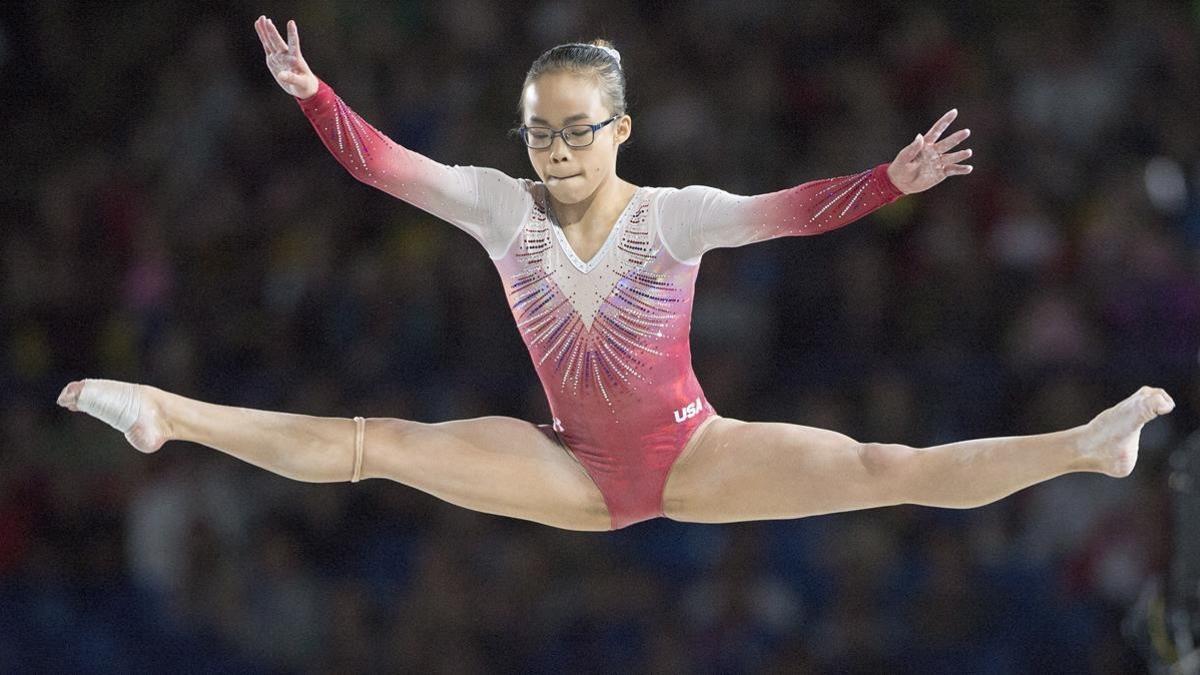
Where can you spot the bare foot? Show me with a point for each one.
(132, 407)
(1110, 440)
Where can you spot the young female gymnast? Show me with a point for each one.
(599, 274)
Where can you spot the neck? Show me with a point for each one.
(600, 208)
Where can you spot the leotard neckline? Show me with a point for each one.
(590, 265)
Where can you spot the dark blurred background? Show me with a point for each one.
(170, 217)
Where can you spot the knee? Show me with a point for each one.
(885, 460)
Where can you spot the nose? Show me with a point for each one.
(559, 148)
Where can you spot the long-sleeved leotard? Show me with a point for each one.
(608, 336)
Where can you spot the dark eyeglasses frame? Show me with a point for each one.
(523, 130)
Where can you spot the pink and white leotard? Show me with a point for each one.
(608, 336)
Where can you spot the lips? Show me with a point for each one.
(563, 177)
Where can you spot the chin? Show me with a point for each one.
(568, 195)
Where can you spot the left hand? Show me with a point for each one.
(926, 161)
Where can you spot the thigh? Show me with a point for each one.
(499, 465)
(739, 470)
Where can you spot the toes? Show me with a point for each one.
(1153, 401)
(1163, 403)
(69, 397)
(1156, 401)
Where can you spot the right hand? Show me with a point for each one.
(284, 59)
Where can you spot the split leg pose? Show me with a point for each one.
(498, 465)
(599, 275)
(768, 470)
(731, 470)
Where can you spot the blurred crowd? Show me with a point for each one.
(170, 217)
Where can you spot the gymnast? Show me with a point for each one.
(599, 274)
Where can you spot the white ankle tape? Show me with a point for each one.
(114, 403)
(359, 424)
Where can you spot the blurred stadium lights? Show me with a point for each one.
(1165, 185)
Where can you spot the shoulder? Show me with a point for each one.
(687, 196)
(687, 190)
(659, 193)
(487, 176)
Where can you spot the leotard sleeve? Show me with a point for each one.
(486, 203)
(698, 218)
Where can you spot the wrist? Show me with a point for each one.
(310, 91)
(891, 190)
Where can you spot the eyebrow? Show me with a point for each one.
(572, 118)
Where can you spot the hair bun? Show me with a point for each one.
(614, 53)
(607, 47)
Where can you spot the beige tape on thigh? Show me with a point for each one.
(360, 425)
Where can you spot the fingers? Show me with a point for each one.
(271, 41)
(293, 37)
(956, 157)
(260, 28)
(939, 126)
(957, 169)
(951, 140)
(909, 152)
(277, 43)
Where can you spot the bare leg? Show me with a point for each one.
(498, 465)
(769, 470)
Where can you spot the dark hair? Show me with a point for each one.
(597, 59)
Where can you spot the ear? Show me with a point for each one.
(624, 129)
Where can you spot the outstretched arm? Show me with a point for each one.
(484, 202)
(698, 218)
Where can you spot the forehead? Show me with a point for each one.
(555, 96)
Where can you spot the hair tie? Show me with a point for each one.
(611, 52)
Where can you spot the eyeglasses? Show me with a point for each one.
(575, 135)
